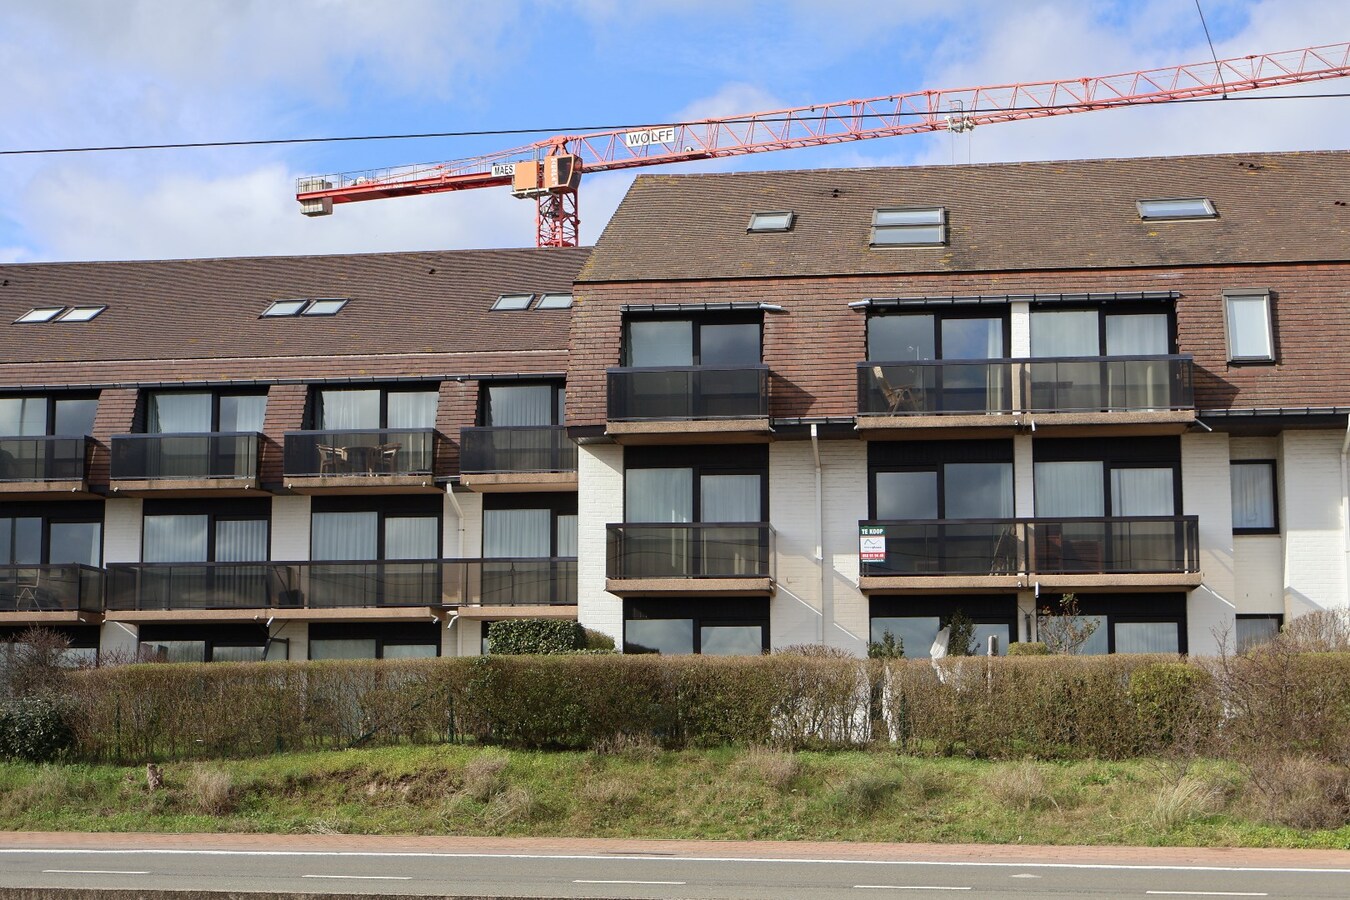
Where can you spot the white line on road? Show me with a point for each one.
(90, 872)
(427, 854)
(599, 881)
(1210, 893)
(364, 877)
(908, 887)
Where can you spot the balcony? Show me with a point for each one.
(989, 396)
(517, 458)
(219, 463)
(715, 403)
(319, 590)
(1140, 552)
(34, 467)
(52, 594)
(391, 460)
(726, 559)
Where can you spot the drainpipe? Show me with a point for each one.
(459, 515)
(820, 534)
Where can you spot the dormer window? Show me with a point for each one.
(909, 227)
(1177, 208)
(771, 221)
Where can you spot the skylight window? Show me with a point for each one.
(909, 227)
(555, 301)
(513, 301)
(328, 306)
(771, 221)
(39, 314)
(1179, 208)
(284, 308)
(80, 313)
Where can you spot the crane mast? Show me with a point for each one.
(549, 171)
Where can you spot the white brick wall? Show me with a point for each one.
(463, 539)
(1024, 488)
(1206, 493)
(122, 530)
(599, 502)
(795, 611)
(118, 641)
(297, 636)
(1311, 518)
(844, 466)
(290, 530)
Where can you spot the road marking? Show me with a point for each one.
(1210, 893)
(427, 854)
(908, 887)
(1024, 875)
(603, 881)
(90, 872)
(364, 877)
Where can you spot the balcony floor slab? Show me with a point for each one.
(1134, 581)
(10, 618)
(1111, 424)
(46, 490)
(362, 484)
(703, 587)
(984, 425)
(940, 584)
(519, 482)
(494, 613)
(289, 614)
(692, 431)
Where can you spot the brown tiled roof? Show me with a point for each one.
(1273, 207)
(430, 302)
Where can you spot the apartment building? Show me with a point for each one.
(766, 409)
(286, 458)
(822, 406)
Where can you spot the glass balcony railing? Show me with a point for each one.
(43, 458)
(1122, 545)
(688, 392)
(1087, 384)
(516, 449)
(935, 387)
(390, 451)
(690, 550)
(338, 585)
(148, 457)
(52, 588)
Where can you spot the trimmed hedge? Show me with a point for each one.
(36, 729)
(1046, 707)
(520, 636)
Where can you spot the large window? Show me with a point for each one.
(1251, 334)
(509, 404)
(375, 408)
(185, 531)
(529, 525)
(211, 643)
(357, 528)
(727, 341)
(199, 412)
(949, 358)
(675, 626)
(375, 640)
(1094, 478)
(696, 484)
(1257, 629)
(1102, 331)
(1122, 623)
(1253, 489)
(67, 415)
(916, 621)
(52, 534)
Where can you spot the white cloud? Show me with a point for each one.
(731, 99)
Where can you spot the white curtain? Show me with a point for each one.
(349, 409)
(180, 413)
(1253, 491)
(730, 498)
(1142, 492)
(659, 495)
(175, 538)
(23, 416)
(344, 535)
(241, 540)
(567, 536)
(1249, 328)
(410, 537)
(516, 532)
(412, 409)
(1146, 637)
(243, 412)
(1136, 335)
(1066, 332)
(526, 404)
(1068, 489)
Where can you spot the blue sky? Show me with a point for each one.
(81, 72)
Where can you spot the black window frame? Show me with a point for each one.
(981, 609)
(1121, 608)
(697, 321)
(709, 459)
(51, 398)
(1106, 309)
(383, 633)
(390, 506)
(227, 634)
(243, 509)
(1003, 313)
(728, 611)
(64, 512)
(558, 503)
(1115, 453)
(558, 407)
(314, 402)
(217, 393)
(1272, 465)
(931, 456)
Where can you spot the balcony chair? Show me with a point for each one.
(384, 458)
(905, 398)
(331, 459)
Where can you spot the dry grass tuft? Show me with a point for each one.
(609, 792)
(863, 795)
(1021, 786)
(628, 746)
(515, 805)
(1305, 793)
(211, 790)
(1178, 802)
(777, 770)
(484, 777)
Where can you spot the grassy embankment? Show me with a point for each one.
(646, 793)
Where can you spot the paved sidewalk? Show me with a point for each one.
(1141, 856)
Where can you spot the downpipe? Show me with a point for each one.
(820, 532)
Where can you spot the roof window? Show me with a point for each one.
(39, 314)
(80, 313)
(327, 306)
(909, 227)
(284, 308)
(1178, 208)
(771, 221)
(513, 301)
(554, 301)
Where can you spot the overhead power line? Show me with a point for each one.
(497, 132)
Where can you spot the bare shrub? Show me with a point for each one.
(628, 746)
(777, 770)
(1322, 631)
(484, 778)
(211, 790)
(1021, 786)
(1178, 802)
(815, 651)
(1305, 793)
(32, 664)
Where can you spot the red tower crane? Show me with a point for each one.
(549, 171)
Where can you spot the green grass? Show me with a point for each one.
(642, 792)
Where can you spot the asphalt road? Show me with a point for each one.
(625, 873)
